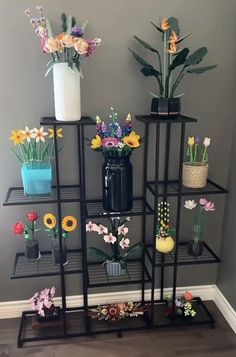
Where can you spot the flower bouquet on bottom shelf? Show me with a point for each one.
(119, 243)
(117, 312)
(183, 306)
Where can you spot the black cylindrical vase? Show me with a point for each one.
(117, 176)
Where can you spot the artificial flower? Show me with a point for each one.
(96, 142)
(128, 118)
(207, 141)
(132, 140)
(122, 230)
(98, 119)
(109, 238)
(101, 229)
(77, 31)
(121, 145)
(165, 24)
(49, 220)
(18, 228)
(92, 45)
(190, 204)
(202, 201)
(91, 227)
(17, 137)
(52, 133)
(124, 243)
(191, 140)
(104, 311)
(53, 45)
(32, 216)
(81, 46)
(27, 133)
(172, 48)
(209, 206)
(173, 37)
(188, 296)
(197, 140)
(67, 41)
(110, 142)
(69, 223)
(39, 134)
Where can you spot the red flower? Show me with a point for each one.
(18, 228)
(32, 216)
(188, 296)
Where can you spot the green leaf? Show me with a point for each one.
(154, 95)
(95, 252)
(84, 25)
(69, 25)
(174, 24)
(48, 70)
(196, 57)
(73, 21)
(139, 59)
(64, 22)
(156, 27)
(136, 247)
(200, 70)
(45, 151)
(37, 229)
(179, 95)
(183, 38)
(49, 29)
(149, 71)
(180, 59)
(146, 45)
(16, 155)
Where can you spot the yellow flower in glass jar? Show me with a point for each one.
(69, 223)
(81, 46)
(67, 41)
(132, 140)
(96, 142)
(53, 45)
(191, 140)
(49, 220)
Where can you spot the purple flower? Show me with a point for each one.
(119, 132)
(202, 201)
(77, 31)
(103, 127)
(110, 142)
(197, 140)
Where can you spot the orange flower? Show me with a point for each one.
(172, 48)
(188, 296)
(67, 41)
(81, 46)
(174, 37)
(53, 45)
(165, 24)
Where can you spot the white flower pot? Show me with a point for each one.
(67, 101)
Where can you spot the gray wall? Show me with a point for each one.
(112, 78)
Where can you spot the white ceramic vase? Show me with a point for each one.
(67, 100)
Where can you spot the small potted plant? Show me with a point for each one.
(119, 243)
(35, 152)
(28, 230)
(195, 247)
(116, 142)
(195, 171)
(183, 306)
(164, 235)
(69, 224)
(167, 101)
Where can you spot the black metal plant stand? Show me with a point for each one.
(140, 270)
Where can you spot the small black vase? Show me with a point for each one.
(165, 107)
(117, 177)
(32, 250)
(195, 248)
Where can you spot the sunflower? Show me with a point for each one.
(17, 137)
(132, 140)
(49, 220)
(69, 223)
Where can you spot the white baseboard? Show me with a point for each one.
(225, 308)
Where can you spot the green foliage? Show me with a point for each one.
(135, 248)
(64, 22)
(145, 44)
(69, 25)
(149, 71)
(196, 57)
(200, 70)
(95, 252)
(180, 59)
(156, 27)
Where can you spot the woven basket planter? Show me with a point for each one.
(195, 176)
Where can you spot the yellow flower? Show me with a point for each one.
(191, 140)
(172, 48)
(165, 24)
(52, 133)
(49, 220)
(69, 223)
(128, 118)
(132, 140)
(80, 45)
(96, 142)
(17, 137)
(98, 119)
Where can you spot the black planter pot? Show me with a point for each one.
(195, 248)
(165, 107)
(32, 250)
(56, 255)
(117, 177)
(51, 314)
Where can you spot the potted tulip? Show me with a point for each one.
(195, 171)
(167, 101)
(119, 243)
(28, 230)
(69, 224)
(164, 235)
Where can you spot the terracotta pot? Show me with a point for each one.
(195, 176)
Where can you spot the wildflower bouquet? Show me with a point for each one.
(197, 150)
(174, 57)
(68, 46)
(183, 306)
(35, 145)
(114, 139)
(116, 238)
(117, 312)
(43, 303)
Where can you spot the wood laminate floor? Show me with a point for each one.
(180, 342)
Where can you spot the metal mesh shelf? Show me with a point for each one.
(15, 196)
(98, 276)
(208, 256)
(171, 189)
(157, 119)
(95, 209)
(53, 121)
(24, 268)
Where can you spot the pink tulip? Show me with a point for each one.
(209, 206)
(202, 201)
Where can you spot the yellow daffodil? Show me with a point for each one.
(96, 142)
(98, 119)
(69, 223)
(132, 140)
(52, 133)
(17, 137)
(191, 140)
(39, 134)
(27, 133)
(165, 24)
(49, 220)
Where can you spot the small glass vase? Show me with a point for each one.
(195, 247)
(56, 252)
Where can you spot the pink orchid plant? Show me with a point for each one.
(116, 237)
(42, 302)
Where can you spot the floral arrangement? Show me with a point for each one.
(42, 302)
(198, 151)
(116, 238)
(174, 57)
(27, 229)
(164, 229)
(183, 306)
(69, 224)
(116, 312)
(204, 206)
(68, 46)
(35, 145)
(114, 139)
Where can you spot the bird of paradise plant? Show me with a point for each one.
(174, 57)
